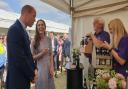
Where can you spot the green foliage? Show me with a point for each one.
(102, 84)
(76, 52)
(112, 73)
(119, 84)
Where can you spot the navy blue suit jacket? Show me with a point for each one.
(55, 44)
(66, 48)
(20, 62)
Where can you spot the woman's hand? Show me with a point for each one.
(106, 45)
(51, 72)
(119, 59)
(45, 50)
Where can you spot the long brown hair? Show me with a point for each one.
(37, 37)
(118, 31)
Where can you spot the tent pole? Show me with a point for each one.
(71, 29)
(71, 7)
(71, 16)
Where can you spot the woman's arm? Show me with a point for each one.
(35, 55)
(120, 60)
(51, 66)
(41, 53)
(51, 60)
(38, 55)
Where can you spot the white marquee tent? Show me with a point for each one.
(84, 11)
(8, 18)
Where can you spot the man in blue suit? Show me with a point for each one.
(54, 43)
(21, 67)
(66, 47)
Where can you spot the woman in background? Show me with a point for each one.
(60, 51)
(119, 48)
(42, 54)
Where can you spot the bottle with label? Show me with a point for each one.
(103, 52)
(97, 61)
(103, 61)
(108, 62)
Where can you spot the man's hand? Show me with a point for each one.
(98, 43)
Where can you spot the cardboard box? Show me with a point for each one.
(89, 47)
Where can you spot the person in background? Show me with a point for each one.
(66, 48)
(100, 34)
(5, 40)
(54, 43)
(3, 58)
(60, 52)
(119, 47)
(42, 53)
(21, 69)
(58, 36)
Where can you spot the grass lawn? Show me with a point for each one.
(60, 82)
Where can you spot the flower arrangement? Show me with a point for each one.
(107, 79)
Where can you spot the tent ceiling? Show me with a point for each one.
(88, 7)
(59, 4)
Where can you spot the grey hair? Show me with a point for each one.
(99, 19)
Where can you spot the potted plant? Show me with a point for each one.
(76, 53)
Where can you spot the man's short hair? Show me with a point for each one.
(27, 8)
(51, 32)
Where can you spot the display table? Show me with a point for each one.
(75, 78)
